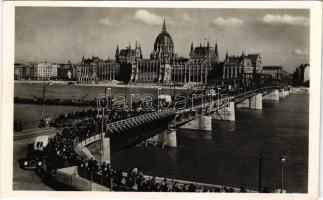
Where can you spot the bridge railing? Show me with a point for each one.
(97, 177)
(258, 89)
(88, 140)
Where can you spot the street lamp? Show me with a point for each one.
(282, 161)
(260, 172)
(218, 96)
(102, 135)
(125, 92)
(102, 124)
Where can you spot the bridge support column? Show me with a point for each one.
(274, 95)
(256, 102)
(171, 139)
(166, 138)
(106, 154)
(283, 93)
(287, 92)
(244, 104)
(226, 113)
(203, 123)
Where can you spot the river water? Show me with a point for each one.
(228, 155)
(28, 112)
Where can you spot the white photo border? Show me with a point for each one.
(6, 146)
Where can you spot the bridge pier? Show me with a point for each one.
(203, 123)
(287, 92)
(274, 95)
(106, 152)
(283, 93)
(254, 102)
(171, 139)
(226, 113)
(166, 138)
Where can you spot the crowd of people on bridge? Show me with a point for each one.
(59, 152)
(74, 118)
(71, 118)
(134, 180)
(136, 109)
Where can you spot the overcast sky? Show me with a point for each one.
(62, 34)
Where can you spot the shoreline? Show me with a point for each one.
(112, 85)
(300, 90)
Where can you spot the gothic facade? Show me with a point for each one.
(164, 67)
(94, 70)
(241, 67)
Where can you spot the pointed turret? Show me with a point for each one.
(137, 41)
(117, 54)
(227, 55)
(208, 44)
(192, 50)
(216, 51)
(164, 25)
(139, 49)
(83, 58)
(117, 50)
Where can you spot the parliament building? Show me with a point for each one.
(164, 67)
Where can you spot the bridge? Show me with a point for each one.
(168, 120)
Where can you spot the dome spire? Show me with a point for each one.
(164, 25)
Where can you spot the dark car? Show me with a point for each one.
(33, 160)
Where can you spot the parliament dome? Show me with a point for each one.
(164, 41)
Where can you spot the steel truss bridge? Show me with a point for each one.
(179, 117)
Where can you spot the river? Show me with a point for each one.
(228, 155)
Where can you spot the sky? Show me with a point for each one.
(55, 34)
